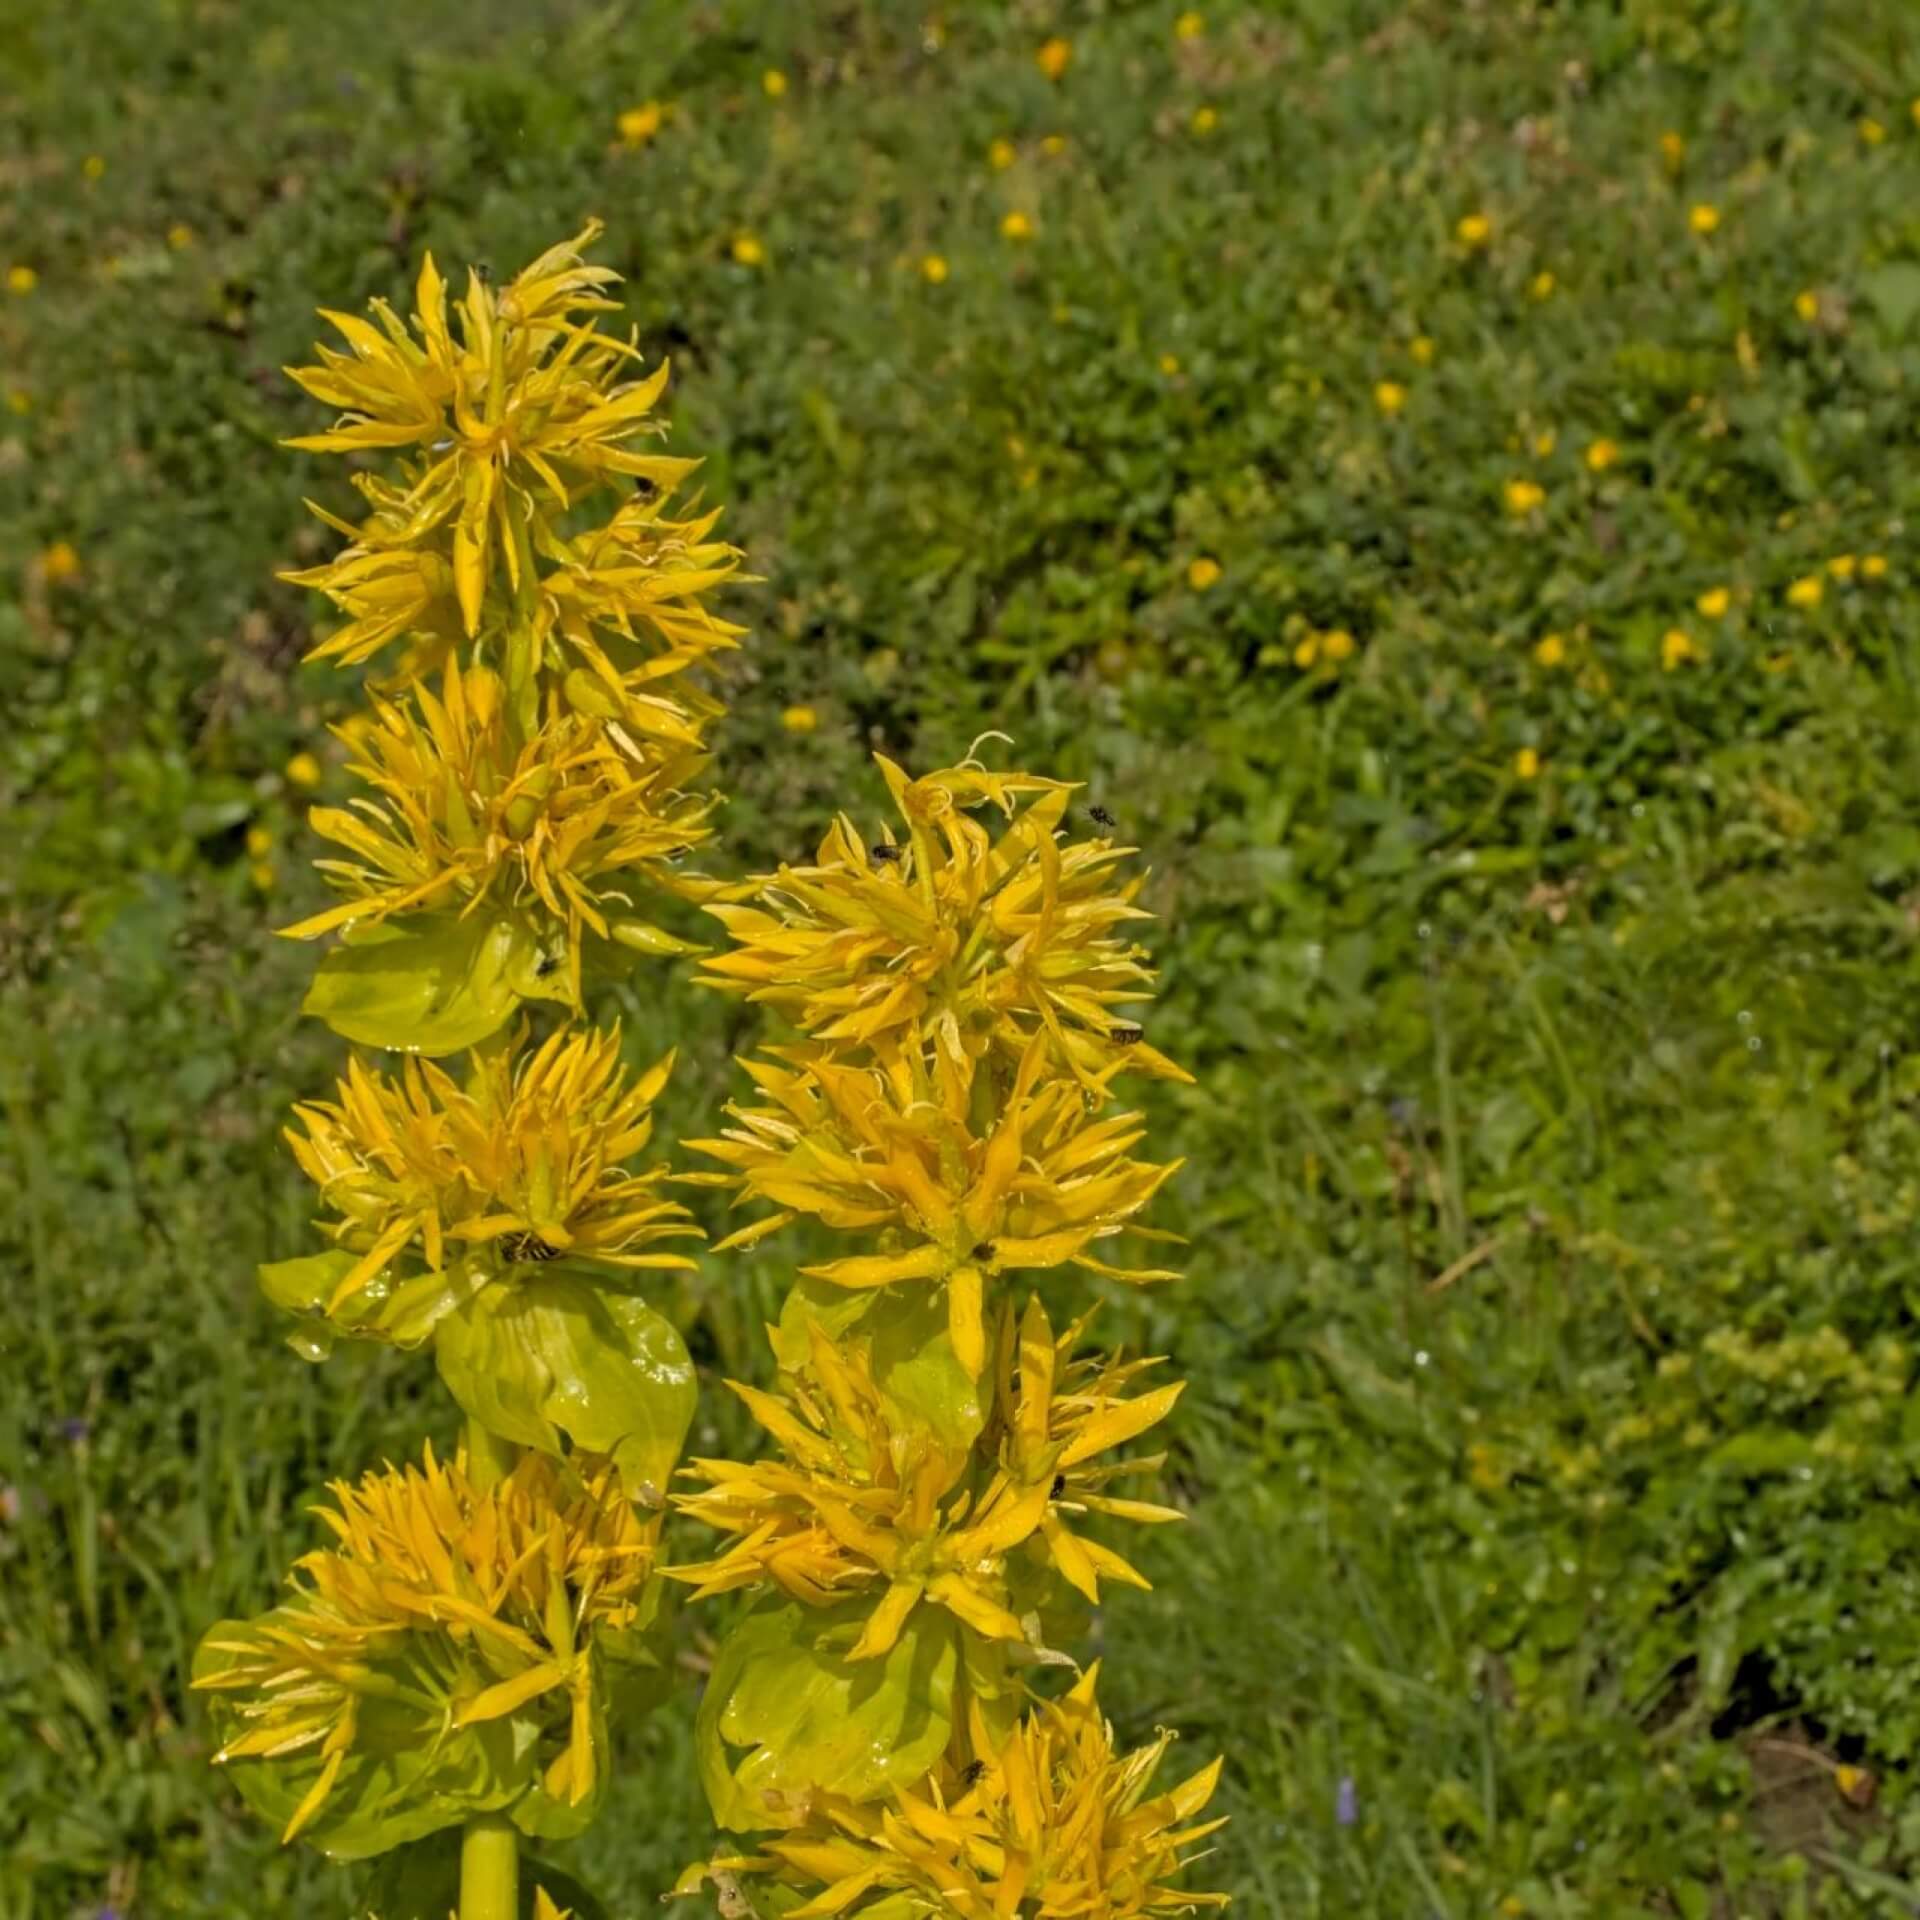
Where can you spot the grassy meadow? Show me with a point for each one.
(1442, 473)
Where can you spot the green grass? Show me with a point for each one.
(1554, 1164)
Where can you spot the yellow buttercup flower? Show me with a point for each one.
(1338, 645)
(93, 166)
(440, 1607)
(639, 124)
(1001, 155)
(1169, 364)
(897, 1151)
(1842, 566)
(747, 250)
(1544, 443)
(1677, 647)
(1526, 764)
(1703, 217)
(303, 770)
(1054, 144)
(1806, 593)
(1550, 650)
(1673, 151)
(259, 842)
(799, 719)
(1306, 651)
(1189, 26)
(1807, 305)
(1390, 397)
(1203, 573)
(1017, 226)
(1872, 133)
(514, 413)
(21, 279)
(180, 236)
(933, 269)
(554, 827)
(59, 562)
(1523, 497)
(1205, 119)
(1422, 350)
(526, 1162)
(1054, 57)
(952, 938)
(773, 83)
(1542, 285)
(1714, 603)
(864, 1504)
(1874, 567)
(1601, 454)
(1473, 231)
(1045, 1820)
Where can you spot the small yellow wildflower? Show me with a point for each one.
(1806, 593)
(259, 842)
(263, 874)
(1523, 497)
(1551, 650)
(1190, 26)
(1871, 131)
(799, 719)
(1703, 217)
(1054, 144)
(1541, 286)
(59, 562)
(1807, 305)
(1714, 603)
(1337, 645)
(1473, 231)
(639, 124)
(1169, 364)
(1601, 454)
(1673, 150)
(21, 279)
(1202, 573)
(1204, 120)
(1677, 648)
(93, 166)
(1017, 226)
(1054, 57)
(1842, 566)
(1874, 567)
(1544, 444)
(1526, 764)
(747, 250)
(303, 770)
(1001, 155)
(180, 236)
(773, 83)
(933, 269)
(1421, 350)
(1389, 396)
(1307, 651)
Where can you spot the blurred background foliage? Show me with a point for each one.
(1439, 472)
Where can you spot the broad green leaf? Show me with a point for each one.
(544, 1352)
(917, 1369)
(429, 985)
(536, 1811)
(819, 1303)
(403, 1311)
(785, 1713)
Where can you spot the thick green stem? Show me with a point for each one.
(489, 1869)
(489, 1844)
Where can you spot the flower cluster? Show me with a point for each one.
(966, 992)
(441, 1609)
(547, 785)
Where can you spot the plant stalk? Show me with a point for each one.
(489, 1843)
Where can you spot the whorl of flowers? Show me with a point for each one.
(526, 1159)
(440, 1607)
(967, 1000)
(1048, 1822)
